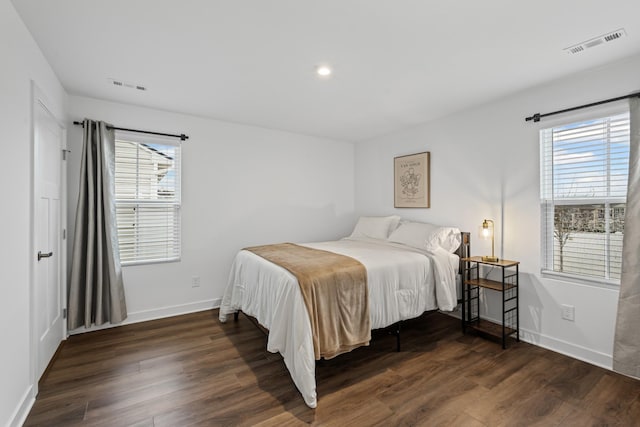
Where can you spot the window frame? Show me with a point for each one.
(547, 238)
(174, 204)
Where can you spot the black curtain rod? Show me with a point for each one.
(182, 136)
(537, 116)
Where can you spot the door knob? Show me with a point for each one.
(41, 255)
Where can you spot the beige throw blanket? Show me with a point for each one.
(334, 289)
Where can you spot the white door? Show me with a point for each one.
(48, 214)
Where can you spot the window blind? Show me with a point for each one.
(584, 172)
(147, 186)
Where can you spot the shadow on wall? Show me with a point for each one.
(531, 312)
(534, 292)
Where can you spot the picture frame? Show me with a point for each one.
(411, 181)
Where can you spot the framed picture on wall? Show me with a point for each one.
(411, 181)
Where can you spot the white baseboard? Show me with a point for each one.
(156, 313)
(588, 355)
(20, 414)
(559, 346)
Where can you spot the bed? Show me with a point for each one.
(410, 267)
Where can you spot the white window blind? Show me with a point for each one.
(147, 198)
(584, 171)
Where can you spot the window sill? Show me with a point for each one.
(581, 280)
(150, 261)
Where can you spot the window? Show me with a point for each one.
(147, 198)
(584, 171)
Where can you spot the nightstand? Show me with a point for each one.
(474, 279)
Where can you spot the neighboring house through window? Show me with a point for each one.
(584, 173)
(147, 198)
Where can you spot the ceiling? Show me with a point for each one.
(397, 63)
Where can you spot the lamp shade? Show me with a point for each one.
(487, 231)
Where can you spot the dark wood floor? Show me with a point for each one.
(192, 370)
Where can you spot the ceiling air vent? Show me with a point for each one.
(576, 49)
(614, 35)
(605, 38)
(120, 83)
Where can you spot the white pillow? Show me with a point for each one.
(427, 237)
(448, 238)
(376, 227)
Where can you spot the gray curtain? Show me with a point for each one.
(626, 347)
(96, 292)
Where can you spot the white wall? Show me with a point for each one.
(22, 62)
(241, 185)
(485, 164)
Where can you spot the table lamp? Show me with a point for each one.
(487, 230)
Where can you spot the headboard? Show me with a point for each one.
(464, 250)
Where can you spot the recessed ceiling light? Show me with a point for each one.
(324, 71)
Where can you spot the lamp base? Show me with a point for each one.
(490, 258)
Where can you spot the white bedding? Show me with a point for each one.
(403, 283)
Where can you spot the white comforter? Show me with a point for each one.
(403, 283)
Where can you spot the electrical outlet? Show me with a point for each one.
(568, 312)
(195, 282)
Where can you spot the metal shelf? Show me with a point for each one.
(490, 328)
(491, 284)
(508, 288)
